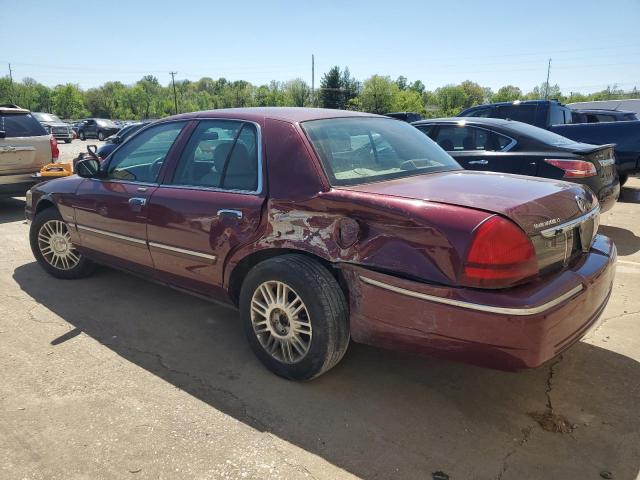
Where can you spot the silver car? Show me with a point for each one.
(25, 147)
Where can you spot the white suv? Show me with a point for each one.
(25, 147)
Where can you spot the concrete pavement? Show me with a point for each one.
(116, 377)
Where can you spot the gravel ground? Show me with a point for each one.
(69, 151)
(116, 377)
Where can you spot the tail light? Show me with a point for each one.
(573, 168)
(500, 255)
(55, 153)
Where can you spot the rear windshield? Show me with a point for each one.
(20, 125)
(360, 150)
(46, 117)
(106, 123)
(540, 134)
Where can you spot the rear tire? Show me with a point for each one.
(623, 177)
(101, 136)
(295, 316)
(52, 247)
(81, 136)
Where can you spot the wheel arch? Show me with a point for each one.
(242, 268)
(44, 203)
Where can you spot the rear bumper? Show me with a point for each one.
(16, 185)
(518, 328)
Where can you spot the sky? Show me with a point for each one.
(592, 44)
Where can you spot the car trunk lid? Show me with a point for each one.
(535, 204)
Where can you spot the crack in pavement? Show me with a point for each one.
(549, 382)
(526, 435)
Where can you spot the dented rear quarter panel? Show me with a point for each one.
(414, 238)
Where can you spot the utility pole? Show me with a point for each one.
(546, 90)
(313, 81)
(175, 96)
(11, 81)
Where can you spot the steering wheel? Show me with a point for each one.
(156, 165)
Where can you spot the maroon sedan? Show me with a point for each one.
(325, 225)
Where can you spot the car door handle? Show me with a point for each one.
(230, 213)
(478, 162)
(136, 203)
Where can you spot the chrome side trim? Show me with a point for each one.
(139, 241)
(475, 306)
(193, 253)
(111, 234)
(563, 228)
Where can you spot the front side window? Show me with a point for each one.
(359, 150)
(140, 159)
(221, 154)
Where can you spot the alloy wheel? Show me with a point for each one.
(55, 245)
(281, 321)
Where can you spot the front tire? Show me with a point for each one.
(295, 316)
(67, 141)
(51, 245)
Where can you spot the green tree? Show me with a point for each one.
(401, 82)
(297, 92)
(68, 101)
(408, 101)
(331, 95)
(508, 93)
(350, 90)
(378, 94)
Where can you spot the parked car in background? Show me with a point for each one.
(558, 118)
(53, 125)
(25, 147)
(405, 116)
(373, 233)
(99, 128)
(601, 115)
(112, 142)
(495, 145)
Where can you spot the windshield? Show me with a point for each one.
(46, 117)
(106, 123)
(540, 134)
(360, 150)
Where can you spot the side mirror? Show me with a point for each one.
(3, 134)
(88, 168)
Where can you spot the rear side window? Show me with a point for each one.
(221, 154)
(454, 138)
(630, 116)
(21, 125)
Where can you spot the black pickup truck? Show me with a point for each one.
(558, 118)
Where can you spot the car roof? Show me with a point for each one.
(11, 108)
(288, 114)
(489, 122)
